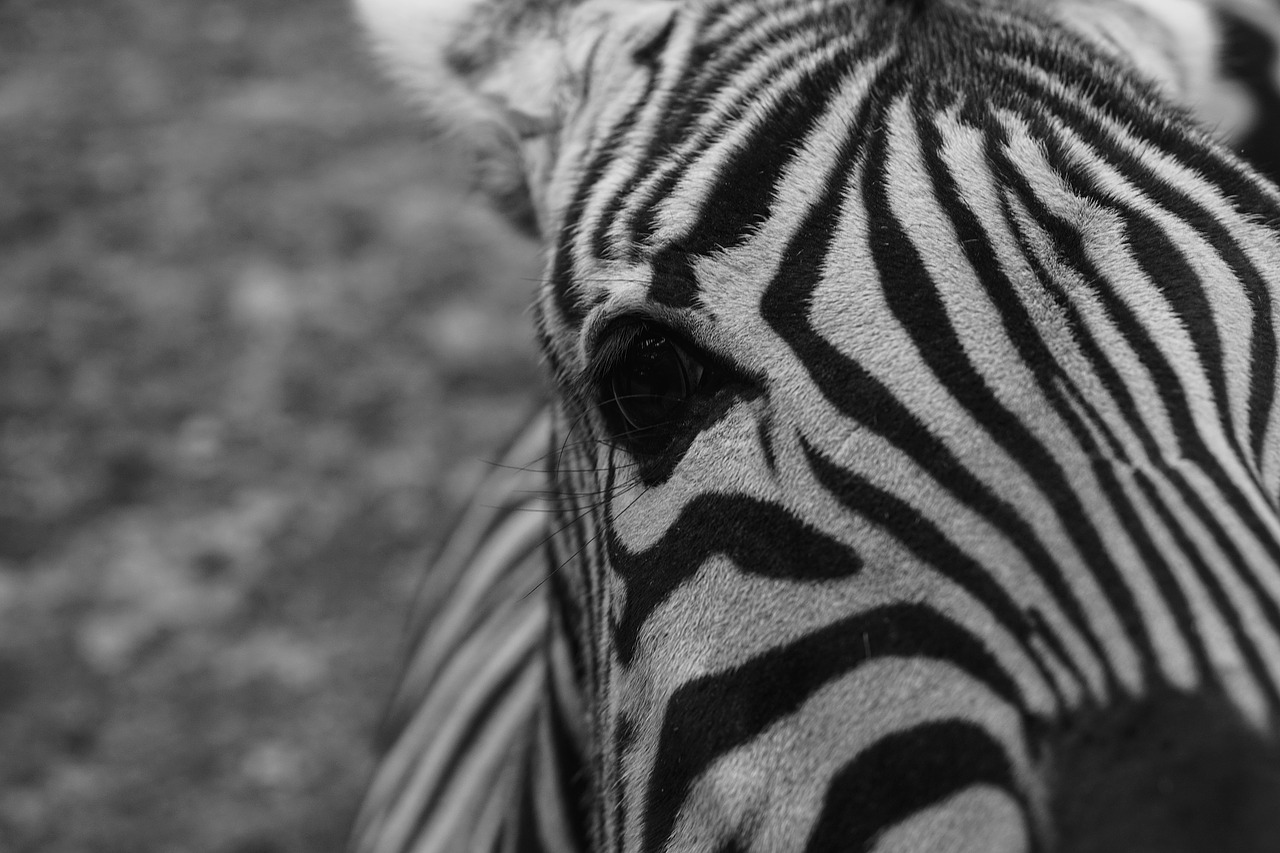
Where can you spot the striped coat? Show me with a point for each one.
(916, 448)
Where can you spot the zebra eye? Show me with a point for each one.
(648, 390)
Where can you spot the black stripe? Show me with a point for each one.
(1144, 540)
(1135, 529)
(1138, 108)
(570, 764)
(924, 540)
(561, 276)
(1166, 270)
(709, 78)
(525, 836)
(760, 538)
(905, 773)
(1040, 630)
(744, 186)
(862, 398)
(461, 747)
(710, 716)
(1213, 586)
(1022, 332)
(1243, 191)
(1191, 442)
(1193, 446)
(913, 297)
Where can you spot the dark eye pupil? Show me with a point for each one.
(651, 383)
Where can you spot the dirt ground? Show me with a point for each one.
(256, 339)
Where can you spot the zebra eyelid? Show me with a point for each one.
(607, 347)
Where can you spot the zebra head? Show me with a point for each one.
(919, 446)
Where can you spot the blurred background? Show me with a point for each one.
(257, 339)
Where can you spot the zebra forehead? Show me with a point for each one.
(691, 165)
(677, 224)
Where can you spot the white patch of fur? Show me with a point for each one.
(982, 819)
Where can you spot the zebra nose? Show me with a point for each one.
(1174, 773)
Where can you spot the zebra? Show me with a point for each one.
(913, 474)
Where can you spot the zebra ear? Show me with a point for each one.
(1191, 50)
(1172, 43)
(502, 75)
(1214, 57)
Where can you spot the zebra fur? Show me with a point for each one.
(1076, 284)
